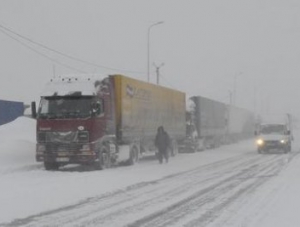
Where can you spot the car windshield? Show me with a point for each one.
(272, 129)
(65, 107)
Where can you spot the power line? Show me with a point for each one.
(39, 53)
(167, 81)
(64, 54)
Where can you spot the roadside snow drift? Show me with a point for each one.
(17, 144)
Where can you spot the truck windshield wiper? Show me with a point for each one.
(47, 115)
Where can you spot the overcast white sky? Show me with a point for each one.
(205, 46)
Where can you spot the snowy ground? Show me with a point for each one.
(229, 186)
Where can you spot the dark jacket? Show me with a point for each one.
(162, 139)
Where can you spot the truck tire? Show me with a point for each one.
(104, 161)
(134, 156)
(174, 148)
(51, 166)
(287, 149)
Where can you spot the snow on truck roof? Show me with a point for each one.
(67, 85)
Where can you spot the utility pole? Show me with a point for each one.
(230, 97)
(54, 70)
(148, 48)
(157, 68)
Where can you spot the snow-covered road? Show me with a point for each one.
(229, 186)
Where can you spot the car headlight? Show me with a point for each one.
(259, 142)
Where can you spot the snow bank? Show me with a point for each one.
(17, 144)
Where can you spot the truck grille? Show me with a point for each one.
(66, 137)
(55, 147)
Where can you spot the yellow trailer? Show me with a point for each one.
(142, 107)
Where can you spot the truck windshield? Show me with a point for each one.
(65, 107)
(272, 129)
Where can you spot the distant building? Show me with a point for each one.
(10, 110)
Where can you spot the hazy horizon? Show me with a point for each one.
(211, 49)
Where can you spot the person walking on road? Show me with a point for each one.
(162, 142)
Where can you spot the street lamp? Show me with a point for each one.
(148, 48)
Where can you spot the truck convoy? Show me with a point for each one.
(211, 123)
(104, 121)
(274, 132)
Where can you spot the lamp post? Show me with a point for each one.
(157, 68)
(148, 48)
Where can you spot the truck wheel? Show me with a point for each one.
(287, 149)
(174, 149)
(104, 161)
(134, 156)
(51, 166)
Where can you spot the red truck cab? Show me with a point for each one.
(74, 120)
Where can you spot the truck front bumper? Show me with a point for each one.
(70, 159)
(45, 153)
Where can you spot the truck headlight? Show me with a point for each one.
(85, 147)
(41, 136)
(282, 141)
(83, 136)
(260, 142)
(40, 148)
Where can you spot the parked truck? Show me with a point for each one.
(211, 123)
(274, 132)
(240, 124)
(104, 121)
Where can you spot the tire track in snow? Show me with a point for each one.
(204, 197)
(245, 182)
(138, 198)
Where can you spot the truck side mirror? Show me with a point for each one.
(96, 108)
(288, 132)
(255, 133)
(33, 110)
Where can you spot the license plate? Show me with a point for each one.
(62, 159)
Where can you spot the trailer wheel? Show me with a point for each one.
(51, 166)
(134, 155)
(104, 161)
